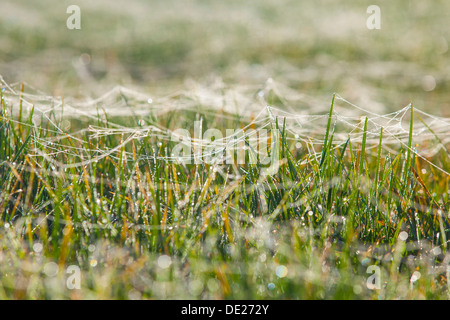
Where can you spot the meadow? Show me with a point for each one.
(347, 196)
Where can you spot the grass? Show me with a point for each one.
(102, 194)
(140, 225)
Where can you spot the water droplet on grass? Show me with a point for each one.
(51, 269)
(428, 83)
(37, 247)
(164, 261)
(415, 276)
(403, 236)
(281, 271)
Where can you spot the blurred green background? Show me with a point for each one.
(315, 47)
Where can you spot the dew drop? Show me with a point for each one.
(403, 236)
(281, 271)
(164, 261)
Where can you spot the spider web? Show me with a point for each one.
(305, 117)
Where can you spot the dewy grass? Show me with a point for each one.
(111, 202)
